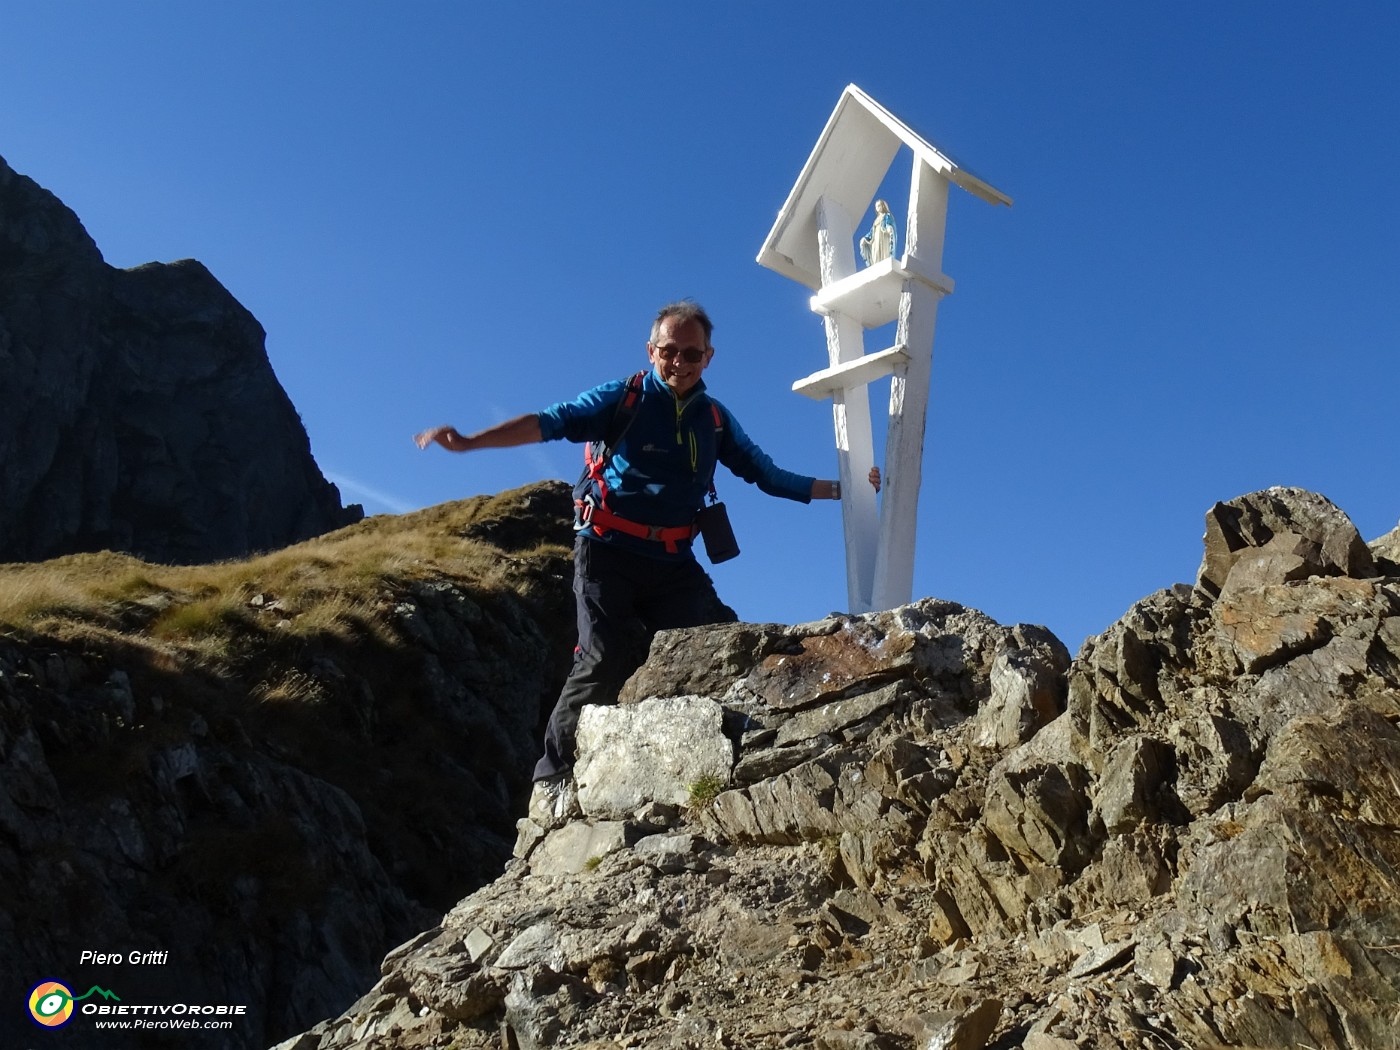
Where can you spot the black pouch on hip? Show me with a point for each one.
(713, 525)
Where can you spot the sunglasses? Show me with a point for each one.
(691, 355)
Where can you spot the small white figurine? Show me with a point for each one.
(879, 242)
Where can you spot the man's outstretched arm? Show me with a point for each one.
(522, 430)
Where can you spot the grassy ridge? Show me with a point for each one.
(402, 659)
(331, 585)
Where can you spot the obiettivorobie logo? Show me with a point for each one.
(51, 1003)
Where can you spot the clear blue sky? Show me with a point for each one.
(459, 211)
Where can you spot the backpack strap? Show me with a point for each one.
(719, 433)
(596, 454)
(623, 415)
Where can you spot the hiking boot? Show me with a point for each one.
(554, 801)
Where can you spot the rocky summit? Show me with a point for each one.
(922, 829)
(138, 409)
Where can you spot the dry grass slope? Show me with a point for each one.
(307, 654)
(336, 585)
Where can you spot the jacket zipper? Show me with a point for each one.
(694, 449)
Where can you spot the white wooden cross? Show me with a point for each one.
(812, 242)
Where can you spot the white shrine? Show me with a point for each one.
(813, 242)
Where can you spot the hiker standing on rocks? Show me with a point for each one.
(655, 440)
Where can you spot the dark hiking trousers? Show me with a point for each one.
(614, 590)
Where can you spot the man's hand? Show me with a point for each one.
(522, 430)
(447, 437)
(832, 489)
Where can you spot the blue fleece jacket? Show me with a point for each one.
(661, 469)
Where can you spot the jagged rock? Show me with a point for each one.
(478, 943)
(1130, 784)
(534, 947)
(1156, 965)
(793, 807)
(840, 1039)
(1027, 694)
(960, 1030)
(138, 409)
(866, 753)
(1277, 535)
(1386, 551)
(1038, 811)
(797, 693)
(577, 846)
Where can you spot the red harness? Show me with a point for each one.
(600, 519)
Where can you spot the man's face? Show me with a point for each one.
(677, 340)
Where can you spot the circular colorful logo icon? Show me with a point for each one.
(51, 1004)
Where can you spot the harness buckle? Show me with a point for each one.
(583, 513)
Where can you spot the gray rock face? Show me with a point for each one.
(937, 832)
(138, 410)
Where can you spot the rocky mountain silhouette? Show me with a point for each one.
(138, 409)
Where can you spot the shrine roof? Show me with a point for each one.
(847, 165)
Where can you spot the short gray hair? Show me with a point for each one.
(683, 310)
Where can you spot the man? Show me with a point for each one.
(632, 557)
